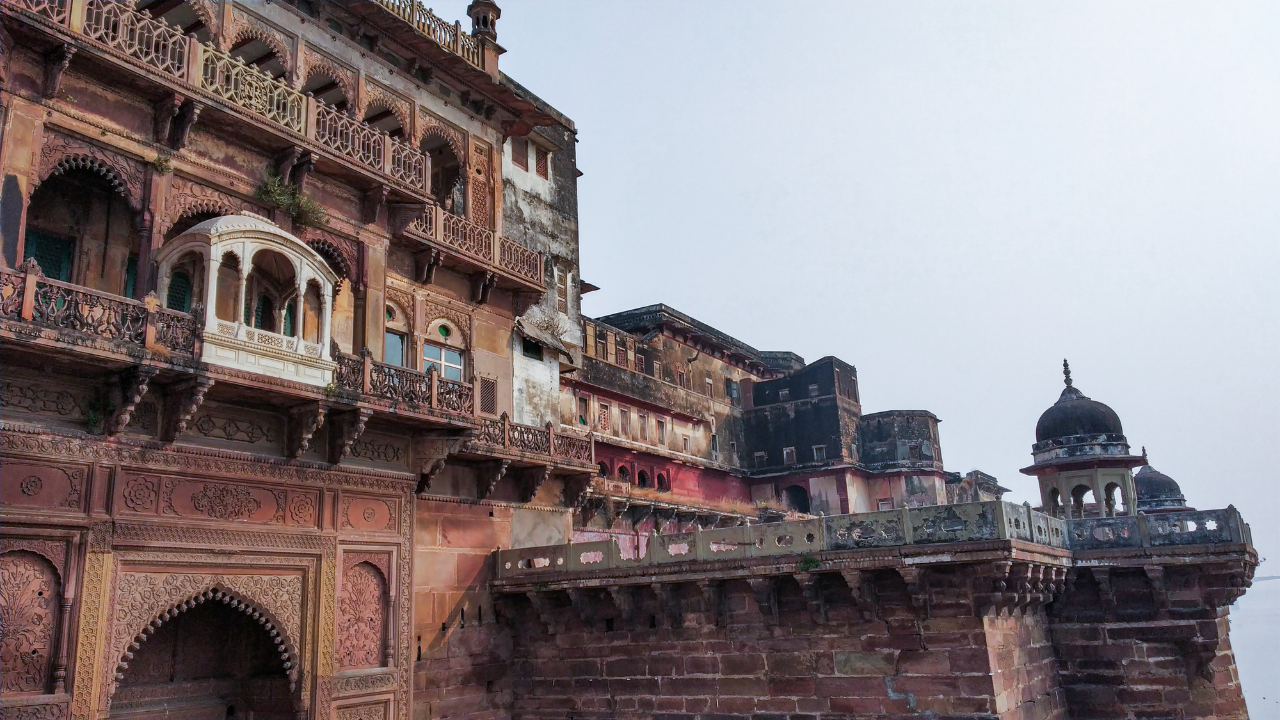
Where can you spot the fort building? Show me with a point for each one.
(302, 419)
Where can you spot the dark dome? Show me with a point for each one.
(1075, 414)
(1156, 489)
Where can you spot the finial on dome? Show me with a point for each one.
(1144, 453)
(1066, 372)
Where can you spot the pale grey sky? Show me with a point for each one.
(952, 196)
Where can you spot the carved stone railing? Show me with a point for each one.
(446, 35)
(348, 373)
(1191, 527)
(461, 234)
(532, 440)
(27, 296)
(454, 396)
(151, 42)
(933, 525)
(58, 11)
(520, 260)
(164, 49)
(250, 88)
(399, 383)
(347, 136)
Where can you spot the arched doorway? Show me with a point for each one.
(448, 186)
(81, 230)
(797, 498)
(212, 662)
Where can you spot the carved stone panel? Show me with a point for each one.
(29, 602)
(361, 617)
(29, 484)
(367, 514)
(363, 711)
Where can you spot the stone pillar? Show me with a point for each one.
(23, 134)
(374, 310)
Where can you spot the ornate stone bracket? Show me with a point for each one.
(425, 264)
(344, 428)
(482, 284)
(428, 475)
(863, 593)
(372, 203)
(544, 608)
(133, 383)
(182, 125)
(304, 421)
(55, 63)
(575, 490)
(532, 480)
(639, 514)
(428, 452)
(493, 472)
(713, 597)
(811, 584)
(401, 215)
(765, 591)
(623, 599)
(165, 111)
(182, 400)
(581, 600)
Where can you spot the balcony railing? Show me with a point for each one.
(26, 295)
(446, 35)
(362, 374)
(478, 243)
(501, 432)
(164, 49)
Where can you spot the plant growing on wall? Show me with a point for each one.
(303, 208)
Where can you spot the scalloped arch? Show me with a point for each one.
(216, 592)
(374, 96)
(322, 66)
(455, 142)
(78, 161)
(253, 29)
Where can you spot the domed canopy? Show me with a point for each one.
(1075, 414)
(1157, 490)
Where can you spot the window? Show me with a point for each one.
(543, 160)
(683, 379)
(532, 349)
(130, 275)
(813, 390)
(624, 474)
(884, 504)
(602, 346)
(489, 396)
(685, 444)
(819, 453)
(562, 290)
(603, 423)
(179, 296)
(715, 447)
(731, 391)
(290, 319)
(784, 395)
(664, 485)
(733, 449)
(51, 252)
(789, 456)
(657, 369)
(639, 363)
(642, 419)
(583, 410)
(622, 350)
(624, 421)
(446, 361)
(761, 459)
(394, 352)
(520, 153)
(710, 388)
(662, 433)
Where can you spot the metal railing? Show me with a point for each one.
(936, 524)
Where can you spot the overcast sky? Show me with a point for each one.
(953, 197)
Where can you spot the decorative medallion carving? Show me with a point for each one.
(363, 683)
(363, 712)
(28, 612)
(140, 493)
(387, 452)
(226, 502)
(361, 617)
(302, 509)
(31, 485)
(63, 152)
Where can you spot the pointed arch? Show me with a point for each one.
(248, 28)
(435, 130)
(62, 153)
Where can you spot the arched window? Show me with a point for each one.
(179, 295)
(228, 287)
(312, 311)
(642, 479)
(1077, 499)
(385, 119)
(80, 208)
(264, 314)
(1110, 496)
(664, 485)
(396, 340)
(797, 498)
(624, 474)
(604, 469)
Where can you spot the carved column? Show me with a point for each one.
(93, 621)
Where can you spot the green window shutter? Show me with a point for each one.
(290, 317)
(131, 276)
(53, 253)
(179, 297)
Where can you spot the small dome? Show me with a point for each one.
(1157, 490)
(1075, 414)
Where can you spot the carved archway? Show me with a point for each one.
(189, 198)
(455, 142)
(375, 96)
(217, 593)
(62, 153)
(342, 257)
(252, 29)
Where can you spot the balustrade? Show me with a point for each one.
(58, 11)
(398, 383)
(501, 432)
(348, 373)
(520, 260)
(453, 396)
(27, 296)
(347, 136)
(151, 42)
(408, 165)
(447, 35)
(250, 88)
(472, 239)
